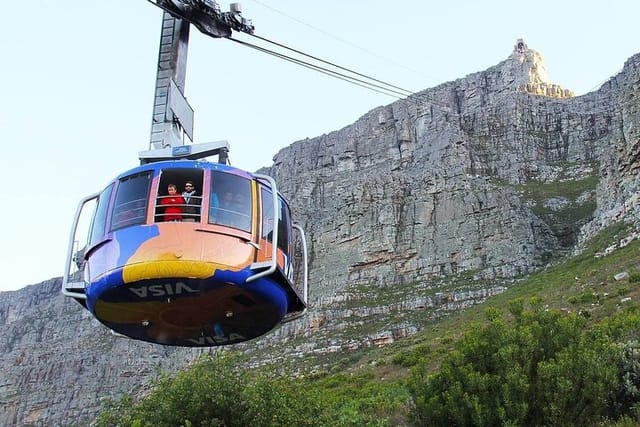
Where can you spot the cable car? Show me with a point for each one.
(217, 269)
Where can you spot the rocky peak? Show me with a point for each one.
(523, 71)
(528, 72)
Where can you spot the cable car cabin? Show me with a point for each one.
(212, 270)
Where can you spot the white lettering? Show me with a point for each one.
(235, 337)
(140, 292)
(167, 287)
(156, 290)
(216, 340)
(161, 290)
(181, 287)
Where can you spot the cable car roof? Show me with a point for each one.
(187, 164)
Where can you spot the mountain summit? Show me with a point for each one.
(529, 74)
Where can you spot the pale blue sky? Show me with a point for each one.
(78, 79)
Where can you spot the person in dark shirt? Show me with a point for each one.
(192, 202)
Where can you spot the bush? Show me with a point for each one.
(634, 277)
(628, 390)
(412, 357)
(216, 391)
(544, 368)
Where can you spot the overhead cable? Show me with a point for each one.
(341, 40)
(408, 92)
(370, 83)
(380, 88)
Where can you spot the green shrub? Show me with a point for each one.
(544, 368)
(628, 389)
(584, 298)
(412, 357)
(216, 391)
(634, 277)
(623, 291)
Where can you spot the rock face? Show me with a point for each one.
(58, 364)
(490, 175)
(451, 179)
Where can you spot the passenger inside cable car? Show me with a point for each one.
(192, 203)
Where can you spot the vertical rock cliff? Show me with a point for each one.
(494, 173)
(59, 364)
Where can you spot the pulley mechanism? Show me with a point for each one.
(207, 16)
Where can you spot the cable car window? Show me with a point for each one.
(184, 203)
(100, 218)
(267, 215)
(284, 220)
(230, 201)
(130, 206)
(284, 225)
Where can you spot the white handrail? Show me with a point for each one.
(305, 288)
(69, 258)
(305, 276)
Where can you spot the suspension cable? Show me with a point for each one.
(390, 90)
(350, 79)
(408, 92)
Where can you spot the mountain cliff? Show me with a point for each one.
(495, 173)
(487, 177)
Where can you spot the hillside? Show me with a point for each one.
(474, 192)
(376, 329)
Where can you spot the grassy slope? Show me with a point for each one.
(583, 283)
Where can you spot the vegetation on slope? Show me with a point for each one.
(559, 348)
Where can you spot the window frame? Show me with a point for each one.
(139, 206)
(230, 211)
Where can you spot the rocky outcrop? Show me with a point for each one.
(450, 179)
(484, 178)
(619, 133)
(58, 364)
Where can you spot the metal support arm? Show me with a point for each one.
(207, 17)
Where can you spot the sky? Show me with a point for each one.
(79, 75)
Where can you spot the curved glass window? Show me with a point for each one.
(230, 201)
(267, 214)
(130, 206)
(268, 219)
(100, 218)
(284, 225)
